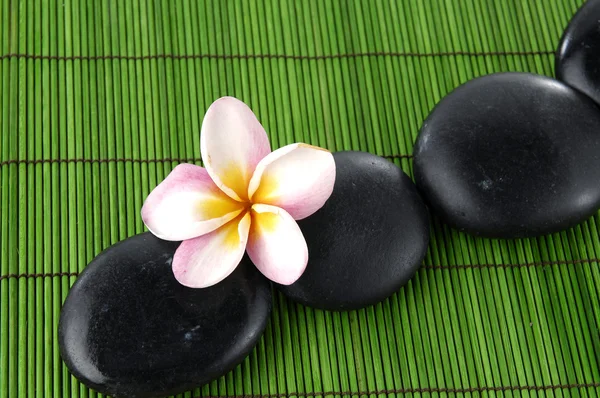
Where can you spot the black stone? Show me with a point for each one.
(367, 241)
(511, 155)
(128, 328)
(578, 55)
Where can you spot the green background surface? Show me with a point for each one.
(100, 99)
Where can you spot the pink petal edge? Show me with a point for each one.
(280, 254)
(171, 210)
(232, 140)
(304, 175)
(205, 261)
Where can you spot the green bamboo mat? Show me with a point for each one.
(100, 99)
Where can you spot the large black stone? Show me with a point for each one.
(367, 241)
(578, 55)
(128, 328)
(511, 155)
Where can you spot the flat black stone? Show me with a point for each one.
(367, 241)
(578, 55)
(128, 328)
(511, 155)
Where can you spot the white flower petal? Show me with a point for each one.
(276, 245)
(298, 178)
(232, 143)
(187, 204)
(208, 259)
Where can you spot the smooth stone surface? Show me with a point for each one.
(367, 241)
(578, 55)
(511, 155)
(128, 328)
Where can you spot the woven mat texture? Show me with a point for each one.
(100, 99)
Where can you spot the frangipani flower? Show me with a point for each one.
(247, 198)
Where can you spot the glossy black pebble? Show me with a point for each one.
(128, 328)
(578, 55)
(511, 155)
(367, 241)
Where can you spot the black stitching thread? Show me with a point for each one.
(519, 265)
(118, 160)
(414, 390)
(433, 267)
(115, 160)
(41, 275)
(273, 56)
